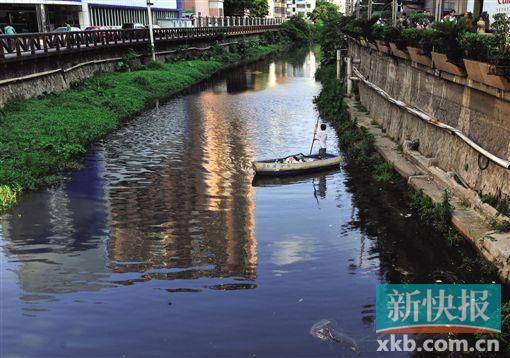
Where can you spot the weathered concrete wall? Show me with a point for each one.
(57, 73)
(483, 114)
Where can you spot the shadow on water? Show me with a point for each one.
(269, 181)
(409, 250)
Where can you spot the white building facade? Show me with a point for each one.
(300, 7)
(46, 15)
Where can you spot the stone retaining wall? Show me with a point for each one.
(482, 113)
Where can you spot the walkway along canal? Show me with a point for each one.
(163, 245)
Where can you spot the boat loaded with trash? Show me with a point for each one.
(295, 164)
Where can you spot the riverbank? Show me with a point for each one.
(367, 144)
(43, 137)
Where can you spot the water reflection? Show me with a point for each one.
(57, 236)
(168, 196)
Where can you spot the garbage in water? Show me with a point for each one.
(326, 331)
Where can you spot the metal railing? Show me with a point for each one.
(21, 46)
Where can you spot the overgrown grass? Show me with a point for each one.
(438, 215)
(41, 137)
(384, 172)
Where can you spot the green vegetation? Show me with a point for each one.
(7, 197)
(324, 12)
(41, 137)
(384, 172)
(419, 38)
(447, 37)
(501, 226)
(437, 215)
(257, 8)
(456, 39)
(502, 205)
(356, 142)
(298, 30)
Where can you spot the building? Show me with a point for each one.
(203, 8)
(445, 5)
(280, 9)
(300, 7)
(46, 15)
(493, 7)
(277, 8)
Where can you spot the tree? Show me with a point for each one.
(258, 8)
(324, 11)
(236, 7)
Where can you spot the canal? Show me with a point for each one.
(164, 245)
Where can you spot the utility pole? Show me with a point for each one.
(370, 9)
(394, 8)
(151, 30)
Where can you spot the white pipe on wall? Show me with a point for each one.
(425, 117)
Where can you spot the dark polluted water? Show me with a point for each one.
(164, 245)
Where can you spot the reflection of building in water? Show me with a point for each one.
(196, 211)
(304, 69)
(56, 237)
(262, 75)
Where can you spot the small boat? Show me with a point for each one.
(310, 163)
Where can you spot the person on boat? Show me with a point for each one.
(322, 137)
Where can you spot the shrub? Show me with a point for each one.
(477, 46)
(418, 18)
(500, 52)
(297, 29)
(129, 62)
(447, 39)
(384, 172)
(360, 27)
(422, 39)
(438, 215)
(154, 65)
(332, 38)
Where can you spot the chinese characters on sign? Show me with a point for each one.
(438, 308)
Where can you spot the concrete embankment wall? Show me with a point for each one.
(480, 112)
(35, 77)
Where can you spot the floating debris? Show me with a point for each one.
(326, 331)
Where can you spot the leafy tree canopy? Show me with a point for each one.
(324, 11)
(258, 8)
